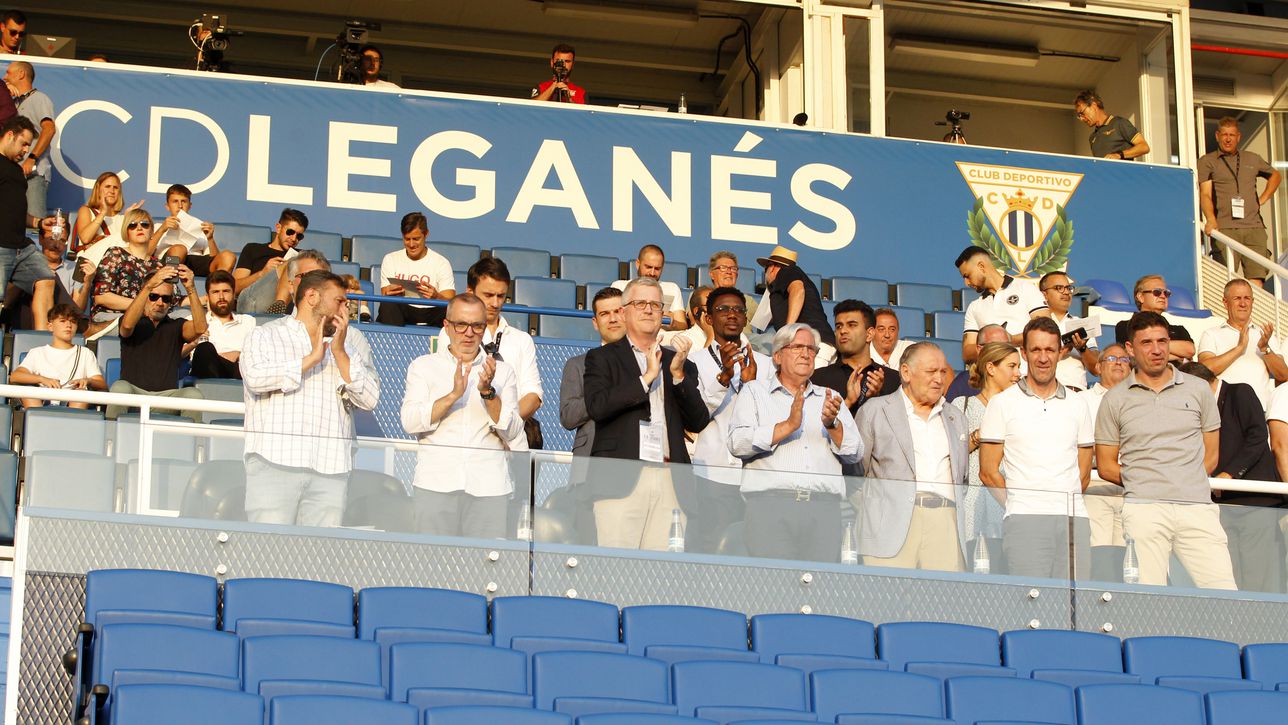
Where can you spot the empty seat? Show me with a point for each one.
(343, 268)
(235, 237)
(875, 292)
(946, 324)
(368, 251)
(1154, 657)
(1113, 295)
(969, 295)
(940, 649)
(390, 615)
(330, 244)
(292, 664)
(1204, 685)
(545, 292)
(127, 654)
(677, 272)
(867, 719)
(462, 257)
(1246, 708)
(1266, 663)
(8, 494)
(582, 267)
(433, 674)
(746, 278)
(1048, 653)
(54, 428)
(523, 261)
(835, 692)
(624, 718)
(925, 296)
(912, 321)
(169, 704)
(528, 621)
(678, 633)
(82, 481)
(561, 327)
(483, 715)
(814, 641)
(952, 349)
(579, 683)
(1135, 704)
(338, 710)
(174, 445)
(970, 699)
(284, 606)
(726, 691)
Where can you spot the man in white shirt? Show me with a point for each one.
(1004, 300)
(303, 374)
(1041, 432)
(462, 406)
(886, 348)
(415, 263)
(1240, 350)
(724, 367)
(649, 263)
(373, 61)
(1104, 500)
(215, 354)
(1079, 355)
(60, 364)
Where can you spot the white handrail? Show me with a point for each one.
(127, 400)
(1279, 271)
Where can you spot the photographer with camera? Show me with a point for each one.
(373, 61)
(559, 88)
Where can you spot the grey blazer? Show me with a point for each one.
(573, 415)
(889, 464)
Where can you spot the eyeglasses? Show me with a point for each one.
(156, 297)
(796, 349)
(293, 233)
(461, 327)
(1061, 288)
(1158, 292)
(737, 309)
(138, 225)
(1116, 359)
(1083, 112)
(725, 268)
(646, 305)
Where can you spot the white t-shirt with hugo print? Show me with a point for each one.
(433, 269)
(62, 365)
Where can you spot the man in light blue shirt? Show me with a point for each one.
(793, 439)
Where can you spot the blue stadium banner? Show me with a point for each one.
(499, 172)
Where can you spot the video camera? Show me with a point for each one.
(561, 71)
(211, 35)
(953, 119)
(348, 69)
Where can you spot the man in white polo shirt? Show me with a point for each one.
(1240, 350)
(216, 353)
(1042, 433)
(418, 265)
(649, 263)
(1004, 300)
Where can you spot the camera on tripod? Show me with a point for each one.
(953, 119)
(211, 35)
(561, 71)
(349, 43)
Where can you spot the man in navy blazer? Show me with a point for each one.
(642, 398)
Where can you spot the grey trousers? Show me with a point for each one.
(293, 496)
(1252, 533)
(122, 386)
(460, 514)
(1037, 545)
(781, 528)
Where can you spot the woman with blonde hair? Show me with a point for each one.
(123, 270)
(996, 369)
(98, 223)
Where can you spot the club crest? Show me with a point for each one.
(1019, 216)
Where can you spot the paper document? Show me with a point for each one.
(763, 316)
(188, 234)
(410, 287)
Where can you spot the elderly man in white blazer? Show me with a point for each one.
(915, 461)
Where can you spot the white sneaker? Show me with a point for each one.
(108, 329)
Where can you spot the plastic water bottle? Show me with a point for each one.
(849, 547)
(60, 225)
(525, 524)
(675, 541)
(684, 106)
(1131, 568)
(982, 565)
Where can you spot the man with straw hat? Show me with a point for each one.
(793, 297)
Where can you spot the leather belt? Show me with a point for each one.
(798, 495)
(933, 501)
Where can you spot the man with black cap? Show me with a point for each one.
(793, 297)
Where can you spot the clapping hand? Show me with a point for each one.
(831, 408)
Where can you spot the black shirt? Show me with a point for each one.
(812, 313)
(13, 205)
(150, 355)
(837, 375)
(1174, 332)
(254, 256)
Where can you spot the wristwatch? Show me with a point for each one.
(489, 395)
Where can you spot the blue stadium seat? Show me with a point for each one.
(338, 710)
(593, 287)
(1182, 300)
(25, 340)
(812, 642)
(1246, 708)
(436, 674)
(1071, 658)
(483, 715)
(106, 347)
(177, 446)
(287, 606)
(462, 257)
(925, 296)
(111, 370)
(1204, 685)
(746, 277)
(952, 352)
(727, 691)
(330, 244)
(875, 292)
(343, 268)
(835, 692)
(970, 699)
(235, 237)
(81, 481)
(1113, 295)
(518, 320)
(582, 683)
(292, 664)
(940, 649)
(561, 327)
(863, 719)
(524, 261)
(531, 620)
(677, 272)
(912, 321)
(625, 718)
(545, 292)
(829, 310)
(582, 267)
(947, 324)
(130, 654)
(390, 615)
(1154, 657)
(1266, 663)
(680, 633)
(1135, 704)
(55, 428)
(169, 704)
(8, 495)
(369, 251)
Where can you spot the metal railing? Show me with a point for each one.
(1278, 272)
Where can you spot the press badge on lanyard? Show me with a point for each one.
(1236, 207)
(1236, 202)
(650, 443)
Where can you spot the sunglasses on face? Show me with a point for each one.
(17, 33)
(293, 233)
(138, 225)
(156, 297)
(1158, 292)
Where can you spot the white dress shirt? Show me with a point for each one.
(656, 404)
(932, 460)
(895, 354)
(520, 353)
(476, 461)
(711, 457)
(806, 460)
(301, 419)
(1249, 367)
(1070, 371)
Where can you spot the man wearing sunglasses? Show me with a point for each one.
(152, 341)
(1104, 500)
(257, 261)
(13, 32)
(1078, 353)
(1152, 294)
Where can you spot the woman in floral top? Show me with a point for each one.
(121, 274)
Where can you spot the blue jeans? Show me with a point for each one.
(23, 267)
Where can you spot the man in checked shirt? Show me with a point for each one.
(303, 374)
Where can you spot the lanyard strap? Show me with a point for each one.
(1238, 166)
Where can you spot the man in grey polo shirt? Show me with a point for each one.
(1158, 436)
